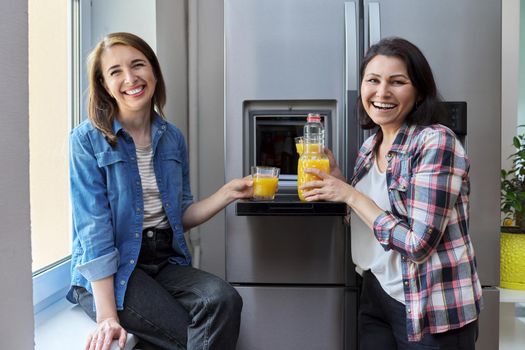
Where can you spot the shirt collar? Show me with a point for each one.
(401, 142)
(116, 126)
(157, 123)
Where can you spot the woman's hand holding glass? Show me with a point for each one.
(239, 188)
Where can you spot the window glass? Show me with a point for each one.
(49, 125)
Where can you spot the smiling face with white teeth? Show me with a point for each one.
(387, 93)
(129, 79)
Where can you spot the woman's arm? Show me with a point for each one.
(439, 171)
(333, 189)
(433, 190)
(92, 227)
(201, 211)
(108, 325)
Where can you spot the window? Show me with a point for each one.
(54, 105)
(49, 125)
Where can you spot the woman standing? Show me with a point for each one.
(409, 198)
(131, 267)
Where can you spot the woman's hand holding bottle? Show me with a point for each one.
(329, 188)
(334, 168)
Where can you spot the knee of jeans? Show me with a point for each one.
(227, 297)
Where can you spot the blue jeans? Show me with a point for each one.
(176, 307)
(382, 324)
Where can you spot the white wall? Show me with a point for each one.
(172, 52)
(134, 16)
(509, 77)
(210, 106)
(16, 316)
(521, 64)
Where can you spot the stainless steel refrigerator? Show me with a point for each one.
(284, 58)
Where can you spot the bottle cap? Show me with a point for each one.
(313, 117)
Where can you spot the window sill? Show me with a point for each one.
(63, 325)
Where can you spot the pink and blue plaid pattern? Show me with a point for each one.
(428, 184)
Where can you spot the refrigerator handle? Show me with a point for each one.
(374, 23)
(351, 46)
(352, 135)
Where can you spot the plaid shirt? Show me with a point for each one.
(428, 188)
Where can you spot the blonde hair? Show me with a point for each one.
(102, 108)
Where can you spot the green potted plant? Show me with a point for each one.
(512, 239)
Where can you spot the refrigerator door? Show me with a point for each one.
(462, 42)
(283, 323)
(277, 53)
(285, 250)
(278, 50)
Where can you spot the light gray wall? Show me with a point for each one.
(134, 16)
(16, 316)
(521, 69)
(510, 52)
(172, 52)
(210, 67)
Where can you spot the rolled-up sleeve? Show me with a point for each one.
(101, 267)
(92, 218)
(438, 171)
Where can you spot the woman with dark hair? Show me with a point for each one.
(131, 202)
(409, 199)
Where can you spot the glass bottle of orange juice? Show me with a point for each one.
(313, 155)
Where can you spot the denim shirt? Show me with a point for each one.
(107, 201)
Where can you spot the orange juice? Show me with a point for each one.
(299, 148)
(315, 161)
(314, 148)
(264, 187)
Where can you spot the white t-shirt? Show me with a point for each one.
(367, 253)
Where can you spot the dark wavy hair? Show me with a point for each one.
(102, 108)
(429, 108)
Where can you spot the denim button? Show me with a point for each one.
(132, 261)
(122, 282)
(149, 234)
(137, 235)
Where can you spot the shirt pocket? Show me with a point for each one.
(172, 167)
(397, 190)
(105, 159)
(115, 167)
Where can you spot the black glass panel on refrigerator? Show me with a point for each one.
(272, 135)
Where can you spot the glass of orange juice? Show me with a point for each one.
(299, 140)
(265, 180)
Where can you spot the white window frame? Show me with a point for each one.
(51, 283)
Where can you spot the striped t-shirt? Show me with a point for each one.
(154, 215)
